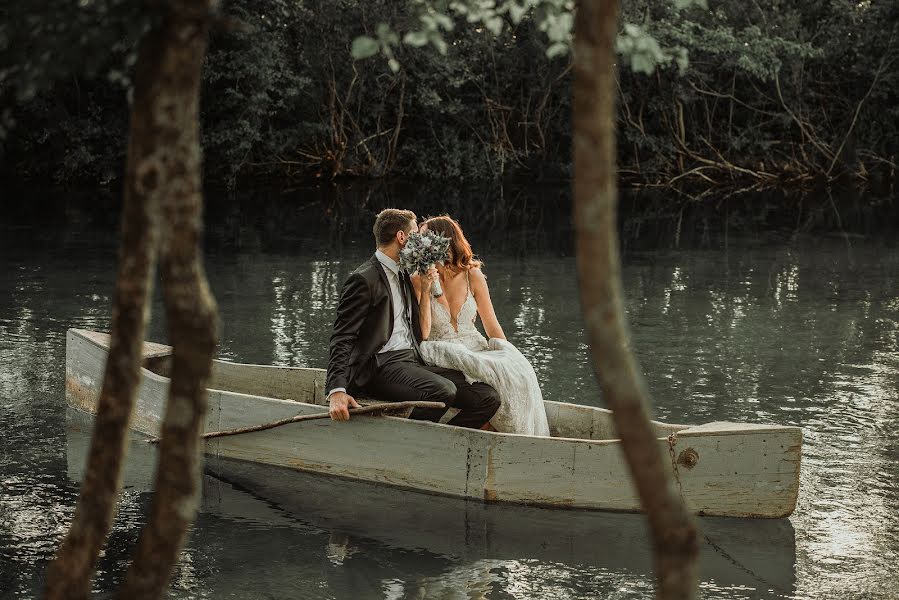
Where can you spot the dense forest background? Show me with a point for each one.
(776, 94)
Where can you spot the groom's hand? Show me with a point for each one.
(340, 405)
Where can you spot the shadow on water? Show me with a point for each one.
(519, 219)
(374, 535)
(509, 218)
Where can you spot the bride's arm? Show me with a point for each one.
(424, 306)
(485, 306)
(416, 286)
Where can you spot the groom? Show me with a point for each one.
(374, 347)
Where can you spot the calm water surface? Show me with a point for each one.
(781, 328)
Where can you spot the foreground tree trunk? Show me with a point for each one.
(599, 270)
(163, 172)
(71, 572)
(176, 52)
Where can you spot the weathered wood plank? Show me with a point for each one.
(285, 383)
(151, 349)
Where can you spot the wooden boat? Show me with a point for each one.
(721, 469)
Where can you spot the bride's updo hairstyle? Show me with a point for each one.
(461, 258)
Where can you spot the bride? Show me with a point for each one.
(452, 340)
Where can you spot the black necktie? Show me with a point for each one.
(405, 291)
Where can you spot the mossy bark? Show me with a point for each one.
(162, 213)
(70, 574)
(179, 46)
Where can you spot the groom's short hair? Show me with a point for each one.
(389, 221)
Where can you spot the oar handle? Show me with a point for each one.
(371, 409)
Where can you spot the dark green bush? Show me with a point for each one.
(774, 93)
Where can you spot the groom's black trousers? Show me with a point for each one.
(401, 377)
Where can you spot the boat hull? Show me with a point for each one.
(736, 553)
(721, 469)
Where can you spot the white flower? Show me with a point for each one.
(426, 242)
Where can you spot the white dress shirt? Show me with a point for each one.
(401, 336)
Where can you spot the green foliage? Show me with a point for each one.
(288, 98)
(42, 45)
(643, 52)
(473, 90)
(433, 18)
(682, 4)
(555, 18)
(771, 92)
(64, 78)
(366, 47)
(254, 88)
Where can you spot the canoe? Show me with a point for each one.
(263, 506)
(721, 469)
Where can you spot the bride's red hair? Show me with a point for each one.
(461, 256)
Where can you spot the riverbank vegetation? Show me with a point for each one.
(771, 96)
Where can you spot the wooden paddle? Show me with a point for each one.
(371, 409)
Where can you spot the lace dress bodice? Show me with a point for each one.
(442, 324)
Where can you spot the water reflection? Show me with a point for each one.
(797, 336)
(304, 298)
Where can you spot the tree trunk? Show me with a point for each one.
(176, 49)
(673, 530)
(70, 574)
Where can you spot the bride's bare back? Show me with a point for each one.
(453, 341)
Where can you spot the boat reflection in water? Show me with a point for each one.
(305, 535)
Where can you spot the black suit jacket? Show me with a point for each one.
(363, 325)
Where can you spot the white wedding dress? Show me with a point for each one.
(497, 363)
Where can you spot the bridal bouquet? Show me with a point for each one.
(421, 252)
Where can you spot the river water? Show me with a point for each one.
(735, 317)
